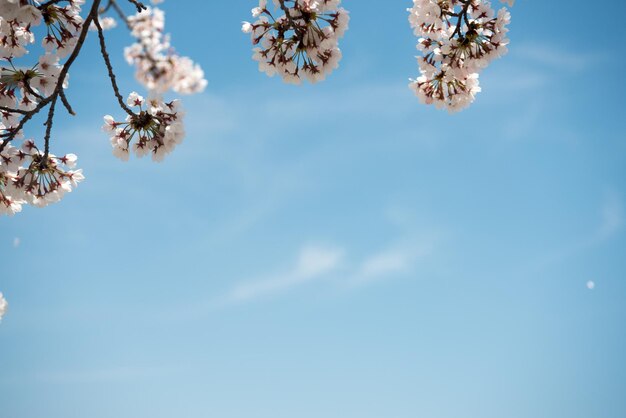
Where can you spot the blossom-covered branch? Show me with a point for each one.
(30, 173)
(296, 39)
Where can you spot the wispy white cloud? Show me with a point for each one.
(388, 264)
(313, 263)
(331, 264)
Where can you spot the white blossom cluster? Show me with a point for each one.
(158, 66)
(300, 40)
(16, 21)
(28, 175)
(156, 128)
(458, 39)
(23, 88)
(18, 17)
(4, 306)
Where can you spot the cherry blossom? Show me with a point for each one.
(158, 66)
(16, 21)
(299, 42)
(457, 39)
(30, 174)
(156, 128)
(63, 24)
(43, 178)
(10, 161)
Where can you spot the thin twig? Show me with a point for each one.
(107, 61)
(11, 110)
(49, 3)
(296, 28)
(31, 91)
(139, 5)
(49, 122)
(462, 15)
(120, 13)
(66, 103)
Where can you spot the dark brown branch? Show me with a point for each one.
(49, 3)
(461, 16)
(139, 5)
(30, 90)
(66, 103)
(120, 13)
(285, 9)
(11, 110)
(105, 8)
(49, 122)
(107, 61)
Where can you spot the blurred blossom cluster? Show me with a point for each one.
(4, 306)
(159, 68)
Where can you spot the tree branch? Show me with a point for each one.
(285, 9)
(66, 103)
(139, 5)
(11, 110)
(107, 61)
(462, 15)
(10, 135)
(49, 122)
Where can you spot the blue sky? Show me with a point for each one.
(336, 250)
